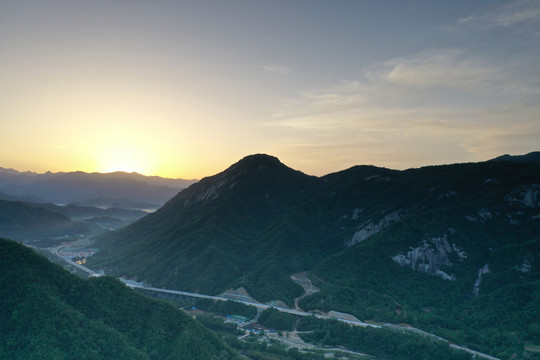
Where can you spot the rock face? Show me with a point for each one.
(430, 255)
(372, 228)
(525, 196)
(476, 287)
(482, 215)
(526, 265)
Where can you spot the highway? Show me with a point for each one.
(79, 266)
(257, 305)
(56, 250)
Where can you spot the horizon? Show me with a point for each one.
(219, 171)
(182, 90)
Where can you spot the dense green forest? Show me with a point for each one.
(273, 318)
(499, 320)
(383, 245)
(49, 313)
(382, 343)
(228, 307)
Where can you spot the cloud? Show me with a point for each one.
(442, 68)
(513, 14)
(517, 14)
(438, 105)
(277, 69)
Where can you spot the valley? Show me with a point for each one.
(291, 341)
(445, 255)
(270, 180)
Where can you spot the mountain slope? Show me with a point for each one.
(451, 249)
(259, 221)
(220, 232)
(96, 219)
(427, 246)
(50, 313)
(22, 221)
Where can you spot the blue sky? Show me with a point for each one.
(184, 88)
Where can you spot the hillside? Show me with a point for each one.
(21, 221)
(48, 313)
(228, 229)
(452, 249)
(98, 220)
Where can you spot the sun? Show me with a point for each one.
(122, 158)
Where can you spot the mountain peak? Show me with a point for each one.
(530, 157)
(256, 162)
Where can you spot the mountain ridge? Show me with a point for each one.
(362, 232)
(530, 157)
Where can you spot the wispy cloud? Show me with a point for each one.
(441, 68)
(516, 14)
(277, 69)
(426, 105)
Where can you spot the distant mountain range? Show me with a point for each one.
(451, 249)
(49, 313)
(91, 203)
(27, 221)
(21, 221)
(120, 189)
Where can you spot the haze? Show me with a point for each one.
(184, 88)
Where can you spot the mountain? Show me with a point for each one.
(29, 221)
(136, 190)
(49, 313)
(98, 220)
(530, 157)
(23, 198)
(222, 230)
(152, 180)
(451, 249)
(21, 221)
(78, 212)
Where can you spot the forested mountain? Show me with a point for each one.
(227, 229)
(97, 219)
(453, 249)
(49, 313)
(21, 221)
(29, 221)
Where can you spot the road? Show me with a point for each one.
(56, 250)
(257, 305)
(264, 306)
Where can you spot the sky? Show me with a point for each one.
(186, 88)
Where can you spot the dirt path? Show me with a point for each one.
(239, 294)
(294, 340)
(302, 280)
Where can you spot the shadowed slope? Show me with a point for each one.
(49, 313)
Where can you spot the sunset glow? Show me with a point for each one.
(124, 159)
(184, 89)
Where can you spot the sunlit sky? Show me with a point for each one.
(186, 88)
